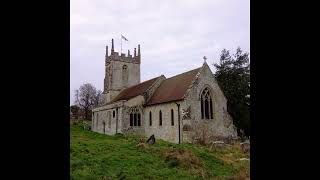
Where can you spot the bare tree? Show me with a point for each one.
(98, 99)
(85, 98)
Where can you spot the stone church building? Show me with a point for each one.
(176, 109)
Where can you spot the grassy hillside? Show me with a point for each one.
(98, 156)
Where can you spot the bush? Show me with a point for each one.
(86, 125)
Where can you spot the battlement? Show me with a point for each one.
(114, 56)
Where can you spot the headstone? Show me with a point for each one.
(245, 147)
(217, 144)
(151, 139)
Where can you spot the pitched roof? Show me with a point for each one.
(174, 88)
(135, 90)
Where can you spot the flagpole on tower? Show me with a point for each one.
(121, 45)
(122, 37)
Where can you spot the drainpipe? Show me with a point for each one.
(179, 121)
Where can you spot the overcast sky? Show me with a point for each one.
(174, 35)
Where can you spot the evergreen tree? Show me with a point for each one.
(233, 76)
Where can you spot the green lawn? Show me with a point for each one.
(98, 156)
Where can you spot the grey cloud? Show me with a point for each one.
(174, 35)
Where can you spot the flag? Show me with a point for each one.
(124, 37)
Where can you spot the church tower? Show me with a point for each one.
(121, 71)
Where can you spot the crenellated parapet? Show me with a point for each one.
(115, 56)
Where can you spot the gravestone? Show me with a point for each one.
(151, 139)
(245, 147)
(217, 145)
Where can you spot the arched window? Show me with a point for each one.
(172, 118)
(104, 127)
(150, 118)
(125, 75)
(139, 120)
(131, 119)
(135, 119)
(160, 118)
(206, 104)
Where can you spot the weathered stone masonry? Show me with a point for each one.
(130, 104)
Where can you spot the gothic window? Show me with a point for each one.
(150, 118)
(206, 104)
(113, 114)
(125, 75)
(135, 117)
(160, 118)
(172, 118)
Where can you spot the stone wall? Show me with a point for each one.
(110, 95)
(117, 78)
(136, 101)
(116, 70)
(107, 119)
(166, 131)
(221, 124)
(126, 128)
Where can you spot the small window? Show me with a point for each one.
(172, 118)
(150, 118)
(139, 120)
(113, 114)
(160, 118)
(125, 75)
(135, 119)
(131, 119)
(104, 127)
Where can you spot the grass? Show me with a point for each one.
(98, 156)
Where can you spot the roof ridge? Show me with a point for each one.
(185, 72)
(141, 82)
(134, 88)
(155, 82)
(174, 88)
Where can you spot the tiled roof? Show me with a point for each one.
(174, 88)
(135, 90)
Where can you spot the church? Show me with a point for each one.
(179, 109)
